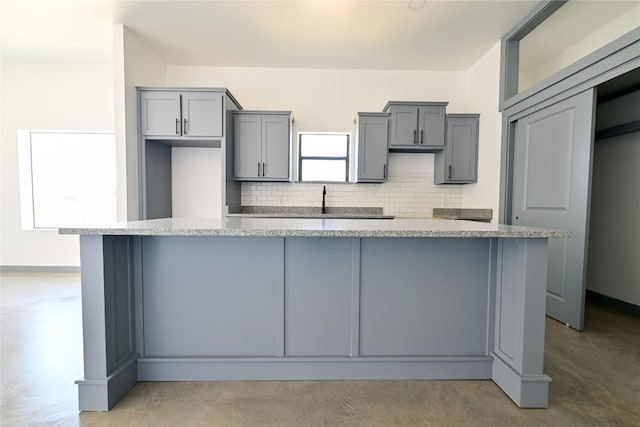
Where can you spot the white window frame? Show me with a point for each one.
(25, 171)
(349, 158)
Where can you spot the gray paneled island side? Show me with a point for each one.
(286, 299)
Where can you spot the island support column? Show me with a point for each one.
(520, 321)
(108, 321)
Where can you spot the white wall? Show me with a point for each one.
(483, 82)
(324, 99)
(135, 64)
(52, 97)
(195, 178)
(614, 231)
(328, 100)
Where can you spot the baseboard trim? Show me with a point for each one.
(100, 394)
(623, 306)
(39, 269)
(314, 368)
(527, 391)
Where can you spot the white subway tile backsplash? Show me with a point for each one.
(407, 194)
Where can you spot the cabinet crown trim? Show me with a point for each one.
(461, 115)
(374, 114)
(415, 103)
(262, 112)
(192, 89)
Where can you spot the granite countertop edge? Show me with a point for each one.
(463, 213)
(281, 227)
(321, 233)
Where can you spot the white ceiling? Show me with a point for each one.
(399, 34)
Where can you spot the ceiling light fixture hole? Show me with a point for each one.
(417, 4)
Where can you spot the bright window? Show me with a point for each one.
(571, 33)
(324, 157)
(67, 179)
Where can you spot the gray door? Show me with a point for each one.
(551, 188)
(202, 114)
(462, 154)
(275, 154)
(248, 146)
(404, 122)
(373, 149)
(160, 113)
(431, 126)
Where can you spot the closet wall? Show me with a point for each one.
(613, 269)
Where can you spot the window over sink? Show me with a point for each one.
(323, 157)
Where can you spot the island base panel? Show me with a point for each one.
(491, 328)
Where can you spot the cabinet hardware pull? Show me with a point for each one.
(384, 172)
(415, 137)
(449, 171)
(258, 168)
(177, 126)
(185, 127)
(264, 169)
(421, 136)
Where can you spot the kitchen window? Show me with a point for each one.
(67, 179)
(324, 157)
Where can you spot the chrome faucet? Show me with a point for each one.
(324, 193)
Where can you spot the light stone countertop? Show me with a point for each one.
(294, 227)
(463, 214)
(311, 212)
(311, 215)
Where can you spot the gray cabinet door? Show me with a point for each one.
(373, 147)
(431, 120)
(404, 126)
(160, 113)
(248, 146)
(458, 163)
(551, 189)
(416, 126)
(202, 114)
(275, 147)
(261, 146)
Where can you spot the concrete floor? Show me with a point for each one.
(596, 379)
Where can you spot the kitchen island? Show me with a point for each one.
(287, 299)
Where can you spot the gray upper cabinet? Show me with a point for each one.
(262, 145)
(373, 147)
(181, 113)
(458, 163)
(416, 126)
(171, 117)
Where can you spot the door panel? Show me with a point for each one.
(203, 114)
(431, 126)
(248, 146)
(373, 149)
(404, 123)
(558, 254)
(462, 153)
(551, 188)
(276, 147)
(160, 113)
(548, 174)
